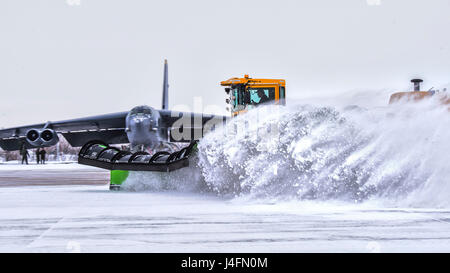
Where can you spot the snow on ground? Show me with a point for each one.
(54, 165)
(14, 175)
(94, 219)
(360, 180)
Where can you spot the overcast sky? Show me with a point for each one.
(63, 59)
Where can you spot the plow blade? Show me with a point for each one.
(101, 155)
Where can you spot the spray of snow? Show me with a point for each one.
(399, 154)
(322, 150)
(188, 179)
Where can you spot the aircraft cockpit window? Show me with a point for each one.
(141, 111)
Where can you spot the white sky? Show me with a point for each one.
(62, 60)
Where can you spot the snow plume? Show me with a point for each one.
(188, 179)
(398, 154)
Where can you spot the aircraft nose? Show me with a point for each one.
(140, 123)
(138, 120)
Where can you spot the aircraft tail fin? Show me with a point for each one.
(165, 94)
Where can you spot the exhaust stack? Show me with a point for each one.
(416, 84)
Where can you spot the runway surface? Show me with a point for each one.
(14, 175)
(90, 218)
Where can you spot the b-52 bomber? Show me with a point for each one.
(145, 129)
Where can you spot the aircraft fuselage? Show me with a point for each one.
(143, 127)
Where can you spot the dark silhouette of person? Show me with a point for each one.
(264, 97)
(43, 152)
(38, 155)
(25, 155)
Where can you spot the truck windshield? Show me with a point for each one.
(252, 96)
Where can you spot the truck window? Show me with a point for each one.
(282, 95)
(261, 95)
(240, 96)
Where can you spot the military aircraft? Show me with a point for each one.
(143, 127)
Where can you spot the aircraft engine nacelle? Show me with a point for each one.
(49, 137)
(33, 137)
(42, 138)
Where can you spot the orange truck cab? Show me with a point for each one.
(247, 93)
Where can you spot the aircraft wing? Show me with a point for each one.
(109, 128)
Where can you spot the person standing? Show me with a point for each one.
(24, 155)
(38, 155)
(43, 152)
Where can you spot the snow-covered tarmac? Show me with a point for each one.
(13, 174)
(90, 218)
